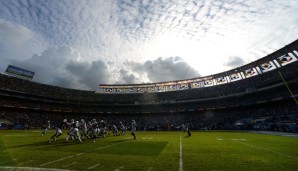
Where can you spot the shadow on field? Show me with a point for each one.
(137, 148)
(45, 144)
(119, 141)
(40, 143)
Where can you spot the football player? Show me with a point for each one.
(123, 128)
(58, 131)
(183, 127)
(45, 127)
(94, 129)
(83, 129)
(74, 130)
(133, 129)
(103, 128)
(188, 129)
(115, 130)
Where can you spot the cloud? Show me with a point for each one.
(14, 34)
(79, 44)
(234, 61)
(126, 77)
(160, 69)
(18, 42)
(62, 67)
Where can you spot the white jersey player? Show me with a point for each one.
(103, 128)
(74, 130)
(83, 129)
(115, 130)
(123, 128)
(94, 129)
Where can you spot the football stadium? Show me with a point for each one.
(244, 118)
(241, 118)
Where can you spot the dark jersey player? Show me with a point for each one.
(188, 129)
(133, 129)
(58, 131)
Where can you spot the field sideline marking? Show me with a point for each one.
(76, 155)
(282, 154)
(180, 159)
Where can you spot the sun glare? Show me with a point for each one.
(206, 55)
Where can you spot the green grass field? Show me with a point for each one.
(28, 150)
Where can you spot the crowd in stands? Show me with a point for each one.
(283, 117)
(262, 102)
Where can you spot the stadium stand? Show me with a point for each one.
(260, 102)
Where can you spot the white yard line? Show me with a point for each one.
(94, 166)
(64, 158)
(70, 164)
(181, 158)
(13, 149)
(61, 159)
(150, 168)
(118, 169)
(106, 146)
(265, 149)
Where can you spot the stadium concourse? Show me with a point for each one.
(257, 96)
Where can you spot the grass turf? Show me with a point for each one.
(215, 150)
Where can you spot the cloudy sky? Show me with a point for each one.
(82, 43)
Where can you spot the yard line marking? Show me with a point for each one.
(57, 160)
(64, 158)
(150, 168)
(8, 161)
(106, 146)
(118, 169)
(94, 166)
(70, 164)
(180, 159)
(282, 154)
(17, 135)
(26, 162)
(13, 149)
